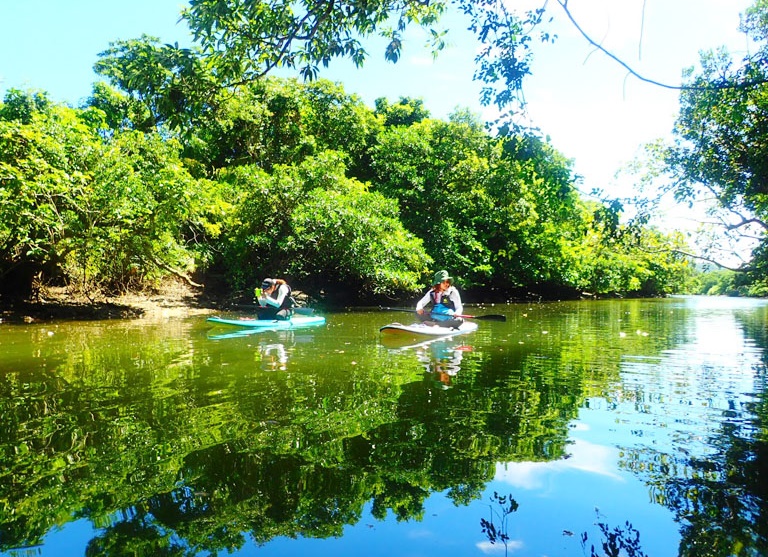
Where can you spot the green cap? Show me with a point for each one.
(440, 276)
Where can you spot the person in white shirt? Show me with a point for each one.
(275, 300)
(443, 301)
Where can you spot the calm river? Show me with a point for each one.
(639, 424)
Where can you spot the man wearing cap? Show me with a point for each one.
(275, 299)
(445, 302)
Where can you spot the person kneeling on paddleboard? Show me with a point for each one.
(445, 302)
(275, 299)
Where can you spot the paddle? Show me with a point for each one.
(296, 310)
(489, 317)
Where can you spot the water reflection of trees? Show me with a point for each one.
(721, 498)
(166, 452)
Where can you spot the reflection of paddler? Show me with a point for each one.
(273, 356)
(444, 378)
(443, 360)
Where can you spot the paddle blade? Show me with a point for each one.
(490, 317)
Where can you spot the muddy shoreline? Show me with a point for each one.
(170, 300)
(53, 305)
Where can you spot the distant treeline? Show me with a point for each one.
(223, 186)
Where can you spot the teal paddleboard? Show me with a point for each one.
(295, 322)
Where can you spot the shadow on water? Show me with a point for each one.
(170, 439)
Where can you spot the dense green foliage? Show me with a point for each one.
(304, 181)
(85, 210)
(163, 170)
(190, 162)
(244, 41)
(320, 228)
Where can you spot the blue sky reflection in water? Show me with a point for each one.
(652, 395)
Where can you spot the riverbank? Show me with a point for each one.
(170, 300)
(176, 298)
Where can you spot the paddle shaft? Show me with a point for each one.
(490, 317)
(297, 310)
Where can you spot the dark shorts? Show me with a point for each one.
(453, 323)
(270, 314)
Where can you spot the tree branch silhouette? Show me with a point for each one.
(723, 84)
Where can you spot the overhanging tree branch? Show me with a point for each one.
(742, 269)
(601, 48)
(723, 84)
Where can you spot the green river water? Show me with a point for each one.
(635, 423)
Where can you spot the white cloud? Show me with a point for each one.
(498, 549)
(585, 457)
(421, 534)
(421, 61)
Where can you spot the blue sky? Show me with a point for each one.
(591, 109)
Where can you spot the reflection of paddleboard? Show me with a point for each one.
(423, 331)
(404, 342)
(246, 332)
(295, 322)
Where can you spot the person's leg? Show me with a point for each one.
(426, 316)
(283, 314)
(268, 313)
(453, 323)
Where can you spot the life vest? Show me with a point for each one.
(288, 301)
(441, 301)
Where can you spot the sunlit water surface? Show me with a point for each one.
(638, 423)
